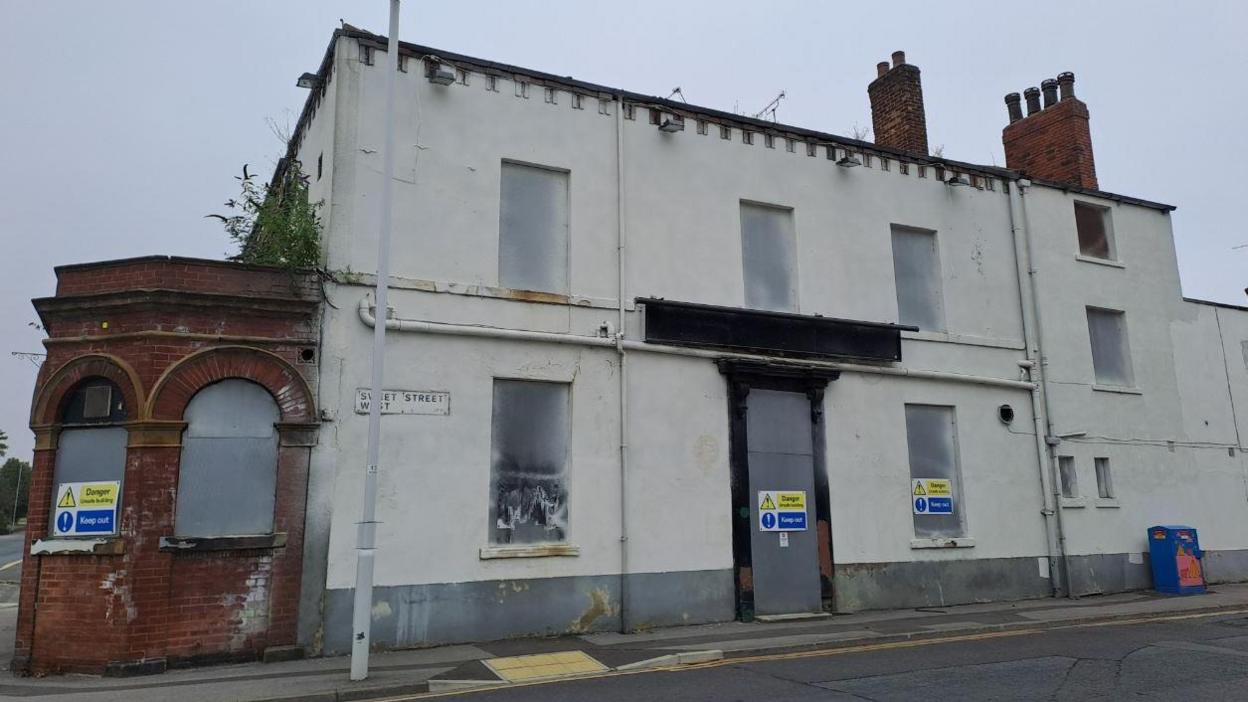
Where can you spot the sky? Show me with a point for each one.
(123, 123)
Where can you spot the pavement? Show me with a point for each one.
(412, 674)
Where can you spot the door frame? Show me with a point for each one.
(742, 376)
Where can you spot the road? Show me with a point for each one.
(1182, 657)
(10, 551)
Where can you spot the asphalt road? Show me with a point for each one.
(11, 550)
(1192, 658)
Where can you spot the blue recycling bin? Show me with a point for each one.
(1175, 554)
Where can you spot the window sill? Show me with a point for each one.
(1074, 502)
(1107, 503)
(1100, 261)
(112, 546)
(1120, 389)
(965, 339)
(943, 542)
(529, 551)
(222, 543)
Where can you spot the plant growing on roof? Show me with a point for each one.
(274, 224)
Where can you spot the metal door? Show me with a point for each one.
(781, 457)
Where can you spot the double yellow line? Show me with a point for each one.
(862, 648)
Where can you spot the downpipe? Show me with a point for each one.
(625, 606)
(1046, 441)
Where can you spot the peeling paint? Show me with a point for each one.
(600, 606)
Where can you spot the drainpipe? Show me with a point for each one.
(1041, 412)
(625, 624)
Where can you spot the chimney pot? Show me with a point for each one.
(1013, 103)
(1067, 82)
(1049, 88)
(881, 68)
(899, 57)
(1033, 100)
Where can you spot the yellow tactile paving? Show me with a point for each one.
(544, 665)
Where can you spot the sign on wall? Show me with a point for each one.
(86, 509)
(932, 495)
(405, 401)
(782, 510)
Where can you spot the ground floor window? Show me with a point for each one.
(529, 456)
(935, 479)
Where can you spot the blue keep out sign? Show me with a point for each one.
(933, 505)
(792, 521)
(96, 521)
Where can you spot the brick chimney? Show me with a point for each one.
(1053, 142)
(897, 106)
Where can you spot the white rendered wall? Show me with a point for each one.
(683, 195)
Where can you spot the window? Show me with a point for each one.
(533, 229)
(811, 149)
(769, 141)
(630, 111)
(491, 83)
(1068, 476)
(228, 477)
(1111, 353)
(552, 96)
(1096, 233)
(1104, 481)
(725, 132)
(916, 267)
(931, 437)
(747, 137)
(577, 101)
(790, 145)
(528, 472)
(461, 76)
(604, 106)
(702, 126)
(91, 446)
(522, 89)
(767, 255)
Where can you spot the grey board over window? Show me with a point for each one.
(533, 229)
(227, 481)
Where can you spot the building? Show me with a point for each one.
(656, 364)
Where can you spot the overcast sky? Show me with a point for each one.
(122, 123)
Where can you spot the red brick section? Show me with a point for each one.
(1053, 144)
(897, 114)
(173, 327)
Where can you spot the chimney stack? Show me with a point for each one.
(1053, 143)
(897, 114)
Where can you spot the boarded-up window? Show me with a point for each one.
(1096, 234)
(916, 267)
(768, 246)
(91, 447)
(1067, 475)
(1104, 480)
(1111, 353)
(533, 229)
(931, 437)
(528, 473)
(228, 477)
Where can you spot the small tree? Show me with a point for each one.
(274, 224)
(14, 491)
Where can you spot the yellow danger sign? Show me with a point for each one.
(767, 502)
(97, 495)
(791, 501)
(933, 487)
(67, 500)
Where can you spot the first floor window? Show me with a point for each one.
(533, 228)
(768, 255)
(931, 437)
(1104, 481)
(529, 456)
(916, 269)
(1111, 352)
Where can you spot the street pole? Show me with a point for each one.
(366, 530)
(17, 493)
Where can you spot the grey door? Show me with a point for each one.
(781, 455)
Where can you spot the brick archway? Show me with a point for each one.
(46, 409)
(175, 388)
